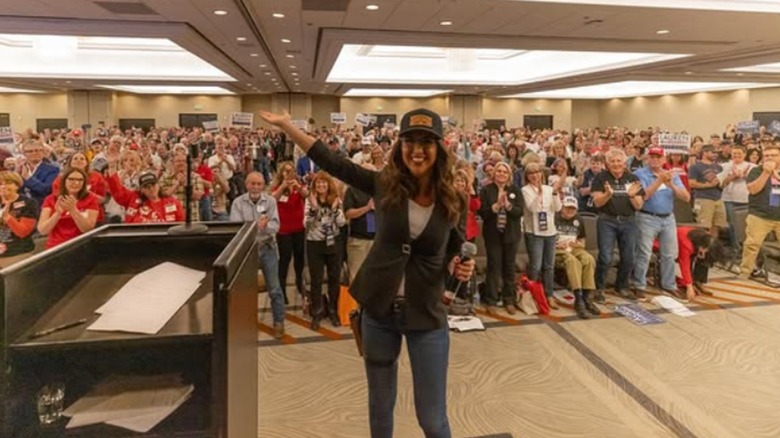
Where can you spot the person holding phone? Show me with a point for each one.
(420, 222)
(290, 197)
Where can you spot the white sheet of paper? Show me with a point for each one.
(672, 306)
(464, 323)
(149, 300)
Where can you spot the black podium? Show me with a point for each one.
(211, 341)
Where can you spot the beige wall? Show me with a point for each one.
(391, 105)
(697, 113)
(165, 109)
(513, 110)
(585, 113)
(25, 108)
(254, 103)
(322, 106)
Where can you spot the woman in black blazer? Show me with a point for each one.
(501, 209)
(419, 230)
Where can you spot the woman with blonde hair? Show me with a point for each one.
(18, 214)
(323, 217)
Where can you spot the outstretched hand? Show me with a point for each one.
(275, 119)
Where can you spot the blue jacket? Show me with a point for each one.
(303, 167)
(38, 185)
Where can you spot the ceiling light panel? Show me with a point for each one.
(707, 5)
(53, 56)
(168, 89)
(466, 66)
(386, 92)
(760, 68)
(636, 89)
(17, 90)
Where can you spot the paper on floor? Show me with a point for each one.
(672, 306)
(464, 323)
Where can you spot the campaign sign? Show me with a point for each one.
(338, 118)
(748, 127)
(363, 119)
(674, 142)
(774, 127)
(211, 126)
(241, 119)
(300, 124)
(6, 135)
(637, 314)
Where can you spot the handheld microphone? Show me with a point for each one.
(467, 252)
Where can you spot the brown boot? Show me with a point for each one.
(491, 310)
(278, 330)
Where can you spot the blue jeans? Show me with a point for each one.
(541, 260)
(649, 228)
(429, 358)
(622, 231)
(204, 206)
(269, 263)
(730, 206)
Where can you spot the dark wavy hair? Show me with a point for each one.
(83, 192)
(400, 184)
(702, 239)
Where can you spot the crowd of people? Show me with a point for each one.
(519, 186)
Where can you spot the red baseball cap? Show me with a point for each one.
(655, 151)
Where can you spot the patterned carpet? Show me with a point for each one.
(715, 374)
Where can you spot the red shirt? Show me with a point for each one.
(139, 210)
(66, 228)
(290, 209)
(685, 254)
(96, 184)
(205, 172)
(682, 171)
(472, 228)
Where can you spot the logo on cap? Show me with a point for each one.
(421, 120)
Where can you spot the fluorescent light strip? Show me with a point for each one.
(623, 89)
(18, 90)
(771, 6)
(390, 92)
(760, 68)
(169, 89)
(464, 66)
(70, 57)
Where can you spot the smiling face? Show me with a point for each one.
(500, 175)
(419, 152)
(78, 160)
(74, 181)
(321, 187)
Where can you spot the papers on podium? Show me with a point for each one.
(137, 403)
(149, 300)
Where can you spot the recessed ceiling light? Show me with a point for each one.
(292, 66)
(740, 74)
(662, 31)
(446, 23)
(268, 73)
(240, 38)
(290, 56)
(278, 15)
(220, 12)
(67, 82)
(688, 72)
(286, 41)
(263, 66)
(248, 84)
(254, 55)
(294, 74)
(372, 7)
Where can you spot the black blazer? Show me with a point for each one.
(393, 256)
(512, 231)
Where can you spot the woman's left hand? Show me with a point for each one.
(463, 270)
(275, 119)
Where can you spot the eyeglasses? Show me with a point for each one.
(71, 179)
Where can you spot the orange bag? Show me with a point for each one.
(346, 303)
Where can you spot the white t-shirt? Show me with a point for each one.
(223, 167)
(546, 203)
(736, 190)
(418, 220)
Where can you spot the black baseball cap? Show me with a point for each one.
(147, 179)
(421, 119)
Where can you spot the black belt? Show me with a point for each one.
(655, 214)
(617, 218)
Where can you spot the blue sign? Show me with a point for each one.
(637, 314)
(748, 127)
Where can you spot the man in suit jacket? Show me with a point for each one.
(501, 210)
(38, 174)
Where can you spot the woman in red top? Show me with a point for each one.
(96, 184)
(679, 163)
(145, 205)
(463, 184)
(18, 214)
(71, 211)
(696, 253)
(290, 197)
